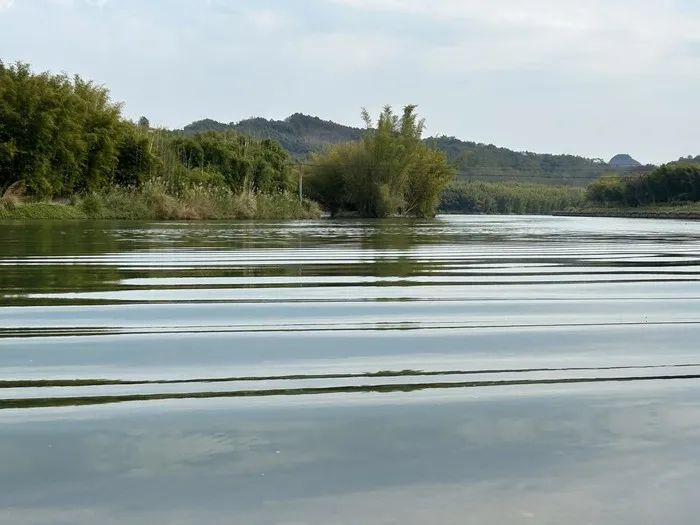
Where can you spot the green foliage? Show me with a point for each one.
(607, 190)
(485, 161)
(135, 161)
(684, 210)
(303, 135)
(62, 136)
(285, 206)
(668, 183)
(300, 135)
(504, 198)
(40, 210)
(242, 162)
(153, 201)
(389, 171)
(687, 160)
(56, 134)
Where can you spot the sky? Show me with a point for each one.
(588, 77)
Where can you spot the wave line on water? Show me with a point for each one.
(19, 333)
(26, 403)
(43, 383)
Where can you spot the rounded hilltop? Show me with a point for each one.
(623, 160)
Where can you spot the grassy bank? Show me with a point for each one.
(506, 197)
(688, 211)
(153, 202)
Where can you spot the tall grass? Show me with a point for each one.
(153, 201)
(39, 210)
(505, 198)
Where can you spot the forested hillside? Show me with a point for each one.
(299, 134)
(302, 135)
(687, 160)
(490, 163)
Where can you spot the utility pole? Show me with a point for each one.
(301, 179)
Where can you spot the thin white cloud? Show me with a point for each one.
(346, 52)
(620, 37)
(6, 4)
(74, 3)
(268, 20)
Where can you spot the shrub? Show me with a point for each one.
(607, 190)
(389, 171)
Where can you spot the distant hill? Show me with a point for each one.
(299, 134)
(623, 161)
(687, 160)
(491, 163)
(302, 134)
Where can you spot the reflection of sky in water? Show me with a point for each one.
(590, 454)
(228, 355)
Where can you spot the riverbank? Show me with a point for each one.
(153, 203)
(680, 211)
(480, 197)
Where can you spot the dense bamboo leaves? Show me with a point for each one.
(61, 135)
(242, 162)
(57, 134)
(389, 171)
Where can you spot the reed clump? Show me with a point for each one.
(509, 197)
(152, 201)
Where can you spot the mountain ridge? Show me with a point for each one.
(302, 135)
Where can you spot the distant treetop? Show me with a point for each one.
(299, 134)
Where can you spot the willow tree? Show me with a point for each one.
(390, 171)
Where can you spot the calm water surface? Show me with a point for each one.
(466, 370)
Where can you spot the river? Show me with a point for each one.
(464, 370)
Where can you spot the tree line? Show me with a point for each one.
(509, 197)
(62, 135)
(677, 182)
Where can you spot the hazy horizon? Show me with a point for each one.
(545, 76)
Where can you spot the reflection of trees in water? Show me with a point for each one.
(54, 239)
(16, 280)
(399, 234)
(51, 239)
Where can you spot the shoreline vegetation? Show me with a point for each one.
(67, 153)
(684, 211)
(479, 197)
(153, 202)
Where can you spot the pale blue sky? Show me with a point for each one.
(591, 77)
